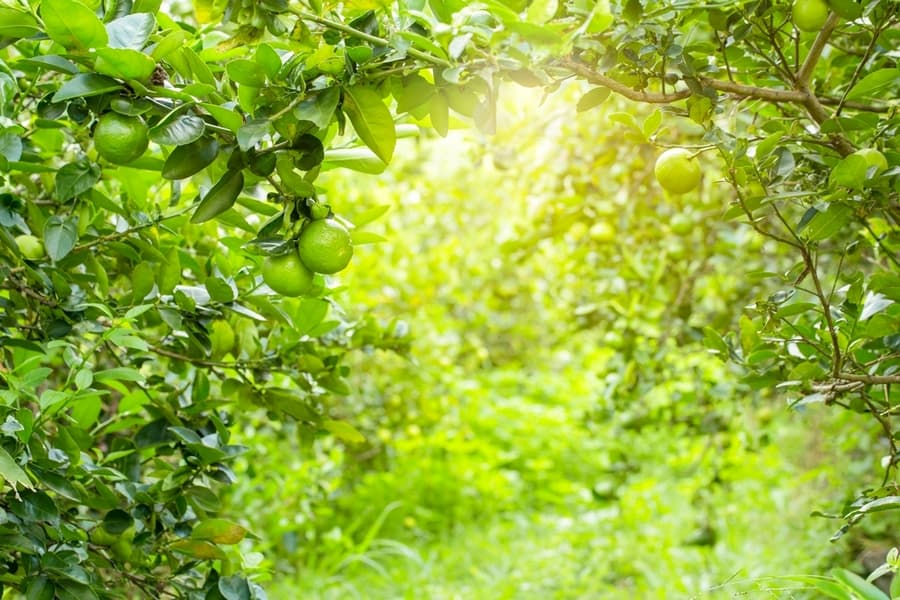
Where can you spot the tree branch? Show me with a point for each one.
(870, 379)
(588, 74)
(729, 87)
(367, 37)
(112, 237)
(804, 74)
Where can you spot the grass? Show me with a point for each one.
(436, 526)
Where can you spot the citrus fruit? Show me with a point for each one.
(102, 537)
(873, 158)
(30, 246)
(681, 224)
(602, 232)
(810, 15)
(286, 274)
(120, 139)
(325, 246)
(677, 171)
(221, 337)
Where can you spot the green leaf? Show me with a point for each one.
(651, 124)
(86, 84)
(344, 431)
(40, 588)
(131, 31)
(875, 85)
(355, 159)
(179, 131)
(221, 290)
(52, 62)
(218, 531)
(170, 275)
(199, 549)
(370, 215)
(826, 224)
(319, 108)
(142, 279)
(226, 117)
(11, 472)
(713, 340)
(118, 374)
(874, 304)
(860, 586)
(10, 146)
(252, 132)
(17, 23)
(117, 521)
(541, 11)
(234, 587)
(83, 379)
(848, 9)
(372, 120)
(439, 111)
(75, 179)
(850, 172)
(360, 238)
(190, 159)
(593, 98)
(70, 590)
(246, 72)
(60, 236)
(124, 63)
(220, 197)
(72, 24)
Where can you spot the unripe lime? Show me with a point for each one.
(810, 15)
(325, 246)
(681, 224)
(602, 232)
(221, 337)
(287, 275)
(676, 171)
(102, 537)
(120, 139)
(873, 158)
(31, 247)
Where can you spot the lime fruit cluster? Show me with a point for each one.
(324, 246)
(677, 171)
(120, 139)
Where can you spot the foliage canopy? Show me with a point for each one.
(120, 381)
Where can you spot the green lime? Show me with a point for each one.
(286, 274)
(810, 15)
(221, 337)
(120, 139)
(677, 171)
(30, 246)
(325, 246)
(873, 158)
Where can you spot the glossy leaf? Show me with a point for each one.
(371, 120)
(72, 24)
(220, 197)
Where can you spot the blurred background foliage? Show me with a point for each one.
(558, 427)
